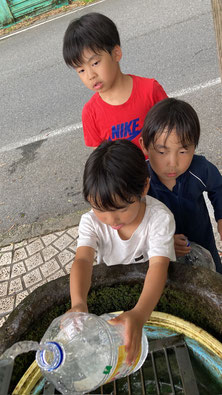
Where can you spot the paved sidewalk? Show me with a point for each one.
(28, 264)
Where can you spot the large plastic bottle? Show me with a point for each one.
(198, 256)
(80, 352)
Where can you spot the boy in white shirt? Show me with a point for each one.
(125, 226)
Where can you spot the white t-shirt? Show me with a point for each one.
(153, 237)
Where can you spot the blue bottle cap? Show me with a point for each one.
(50, 356)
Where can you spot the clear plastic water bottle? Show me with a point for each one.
(198, 256)
(80, 352)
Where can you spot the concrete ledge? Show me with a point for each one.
(27, 231)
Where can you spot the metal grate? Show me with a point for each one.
(167, 370)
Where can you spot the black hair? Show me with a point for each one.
(171, 114)
(91, 31)
(115, 173)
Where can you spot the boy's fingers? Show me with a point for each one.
(115, 321)
(132, 352)
(181, 242)
(182, 251)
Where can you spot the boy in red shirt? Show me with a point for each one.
(121, 101)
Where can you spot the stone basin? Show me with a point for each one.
(191, 293)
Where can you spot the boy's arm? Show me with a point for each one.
(158, 92)
(135, 319)
(153, 286)
(80, 278)
(90, 128)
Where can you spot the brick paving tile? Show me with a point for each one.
(15, 286)
(48, 239)
(6, 304)
(60, 233)
(63, 242)
(68, 267)
(5, 258)
(32, 277)
(73, 246)
(3, 288)
(34, 261)
(4, 273)
(18, 269)
(49, 252)
(34, 247)
(65, 257)
(73, 232)
(49, 267)
(57, 274)
(19, 255)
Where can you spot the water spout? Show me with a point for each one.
(19, 348)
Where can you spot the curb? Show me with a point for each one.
(19, 233)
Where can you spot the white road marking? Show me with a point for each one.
(43, 136)
(195, 88)
(76, 126)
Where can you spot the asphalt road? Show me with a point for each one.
(42, 152)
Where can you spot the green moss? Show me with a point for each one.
(119, 297)
(173, 302)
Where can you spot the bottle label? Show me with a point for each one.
(122, 369)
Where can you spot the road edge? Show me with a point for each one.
(18, 233)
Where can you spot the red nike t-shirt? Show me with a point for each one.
(103, 121)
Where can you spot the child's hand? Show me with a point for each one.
(180, 245)
(79, 308)
(133, 322)
(219, 227)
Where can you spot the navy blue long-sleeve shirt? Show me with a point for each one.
(187, 203)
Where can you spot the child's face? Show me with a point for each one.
(99, 71)
(168, 158)
(128, 216)
(120, 218)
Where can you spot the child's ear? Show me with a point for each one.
(143, 148)
(117, 53)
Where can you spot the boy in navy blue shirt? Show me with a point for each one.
(179, 177)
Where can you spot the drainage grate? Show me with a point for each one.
(167, 370)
